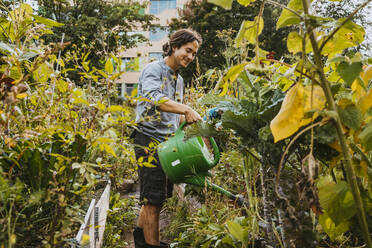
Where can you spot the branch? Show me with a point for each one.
(285, 7)
(342, 24)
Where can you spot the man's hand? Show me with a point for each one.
(191, 115)
(168, 105)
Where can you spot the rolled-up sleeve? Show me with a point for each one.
(152, 83)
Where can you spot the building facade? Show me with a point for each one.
(136, 58)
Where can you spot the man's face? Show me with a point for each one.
(185, 54)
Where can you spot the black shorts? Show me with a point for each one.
(155, 187)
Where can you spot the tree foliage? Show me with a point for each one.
(106, 26)
(209, 20)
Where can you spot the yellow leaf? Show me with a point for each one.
(85, 239)
(291, 116)
(230, 77)
(366, 74)
(365, 102)
(294, 42)
(358, 90)
(22, 95)
(109, 67)
(115, 108)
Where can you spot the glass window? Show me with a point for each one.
(158, 34)
(158, 6)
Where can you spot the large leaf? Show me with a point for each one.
(349, 35)
(226, 4)
(331, 228)
(288, 18)
(336, 199)
(366, 137)
(236, 230)
(297, 102)
(349, 72)
(350, 116)
(294, 42)
(245, 2)
(365, 102)
(248, 31)
(46, 21)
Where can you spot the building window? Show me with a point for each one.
(158, 34)
(158, 6)
(155, 56)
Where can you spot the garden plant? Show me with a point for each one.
(295, 135)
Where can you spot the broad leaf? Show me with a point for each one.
(297, 102)
(294, 42)
(349, 35)
(226, 4)
(366, 137)
(336, 199)
(349, 72)
(365, 102)
(350, 116)
(248, 31)
(288, 18)
(245, 2)
(236, 230)
(330, 227)
(46, 21)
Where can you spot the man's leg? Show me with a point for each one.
(149, 221)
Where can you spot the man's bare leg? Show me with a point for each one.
(149, 221)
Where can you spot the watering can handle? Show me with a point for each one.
(216, 152)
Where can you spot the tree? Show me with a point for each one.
(104, 25)
(209, 20)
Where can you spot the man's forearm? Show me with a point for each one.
(173, 107)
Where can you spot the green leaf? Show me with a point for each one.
(366, 137)
(46, 21)
(336, 199)
(330, 227)
(109, 68)
(236, 230)
(245, 2)
(350, 116)
(226, 4)
(288, 18)
(349, 72)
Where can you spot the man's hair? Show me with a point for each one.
(180, 38)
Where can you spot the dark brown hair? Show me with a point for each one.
(179, 38)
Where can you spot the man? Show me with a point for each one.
(158, 116)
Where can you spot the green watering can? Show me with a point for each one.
(190, 161)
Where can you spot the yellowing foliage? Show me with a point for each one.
(291, 116)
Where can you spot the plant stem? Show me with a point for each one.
(351, 178)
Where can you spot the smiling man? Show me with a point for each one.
(158, 115)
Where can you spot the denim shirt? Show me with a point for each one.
(158, 80)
